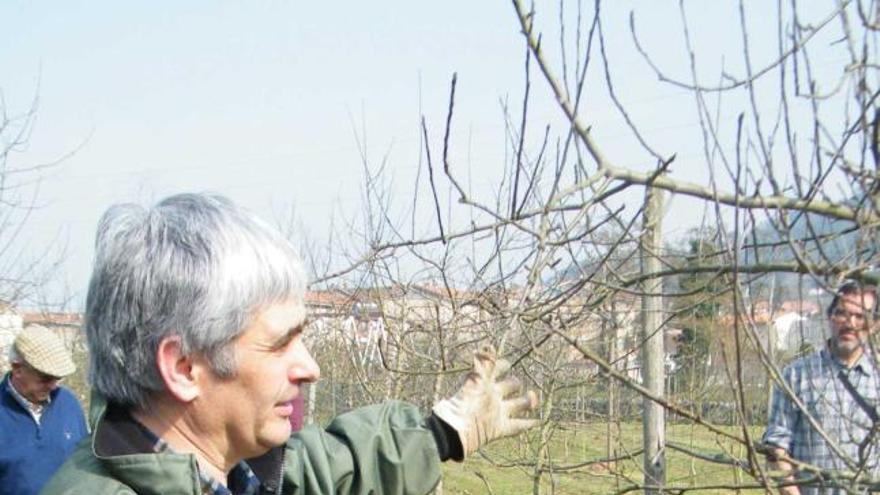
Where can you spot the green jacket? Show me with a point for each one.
(382, 449)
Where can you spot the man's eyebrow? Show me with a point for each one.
(290, 334)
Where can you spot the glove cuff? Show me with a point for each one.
(448, 444)
(449, 412)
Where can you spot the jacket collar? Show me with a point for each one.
(122, 447)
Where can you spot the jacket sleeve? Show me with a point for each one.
(380, 449)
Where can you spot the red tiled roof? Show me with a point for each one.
(67, 319)
(328, 298)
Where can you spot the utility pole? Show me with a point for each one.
(653, 355)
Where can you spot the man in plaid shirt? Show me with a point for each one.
(823, 422)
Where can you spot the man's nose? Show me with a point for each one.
(854, 320)
(304, 367)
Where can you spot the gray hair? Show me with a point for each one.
(14, 356)
(196, 266)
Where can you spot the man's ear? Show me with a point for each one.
(178, 371)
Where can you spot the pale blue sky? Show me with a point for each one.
(258, 100)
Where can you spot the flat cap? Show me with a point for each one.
(44, 351)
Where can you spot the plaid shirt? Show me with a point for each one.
(242, 480)
(814, 380)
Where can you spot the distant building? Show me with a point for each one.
(792, 332)
(791, 325)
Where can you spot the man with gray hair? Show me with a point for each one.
(40, 422)
(194, 319)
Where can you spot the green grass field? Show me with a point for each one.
(498, 473)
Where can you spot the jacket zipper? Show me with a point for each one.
(281, 472)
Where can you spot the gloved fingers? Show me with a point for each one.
(521, 404)
(473, 381)
(502, 366)
(509, 387)
(484, 361)
(518, 425)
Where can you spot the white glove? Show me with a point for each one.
(484, 408)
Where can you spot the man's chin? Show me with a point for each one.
(846, 346)
(277, 434)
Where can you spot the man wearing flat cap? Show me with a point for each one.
(40, 422)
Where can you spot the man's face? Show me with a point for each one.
(33, 385)
(850, 323)
(253, 408)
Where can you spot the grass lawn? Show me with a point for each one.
(498, 474)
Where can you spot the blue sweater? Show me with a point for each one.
(29, 452)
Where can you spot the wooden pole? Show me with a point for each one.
(653, 356)
(612, 433)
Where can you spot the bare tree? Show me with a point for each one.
(24, 271)
(544, 263)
